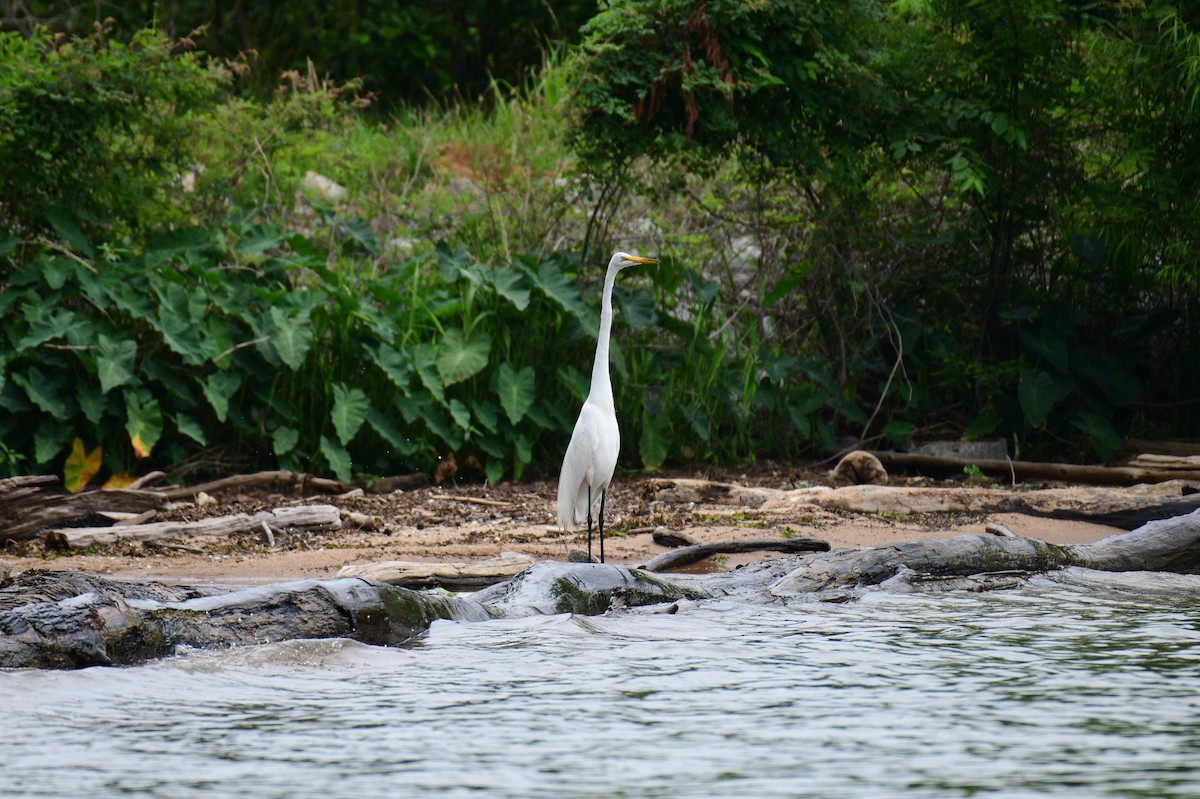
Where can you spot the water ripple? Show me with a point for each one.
(1077, 685)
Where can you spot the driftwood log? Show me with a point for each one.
(305, 483)
(1115, 506)
(1033, 470)
(31, 503)
(687, 555)
(68, 620)
(453, 576)
(303, 517)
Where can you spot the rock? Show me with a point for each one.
(859, 468)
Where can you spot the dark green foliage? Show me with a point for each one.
(402, 52)
(783, 80)
(271, 349)
(99, 125)
(999, 218)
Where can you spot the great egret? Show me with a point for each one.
(592, 454)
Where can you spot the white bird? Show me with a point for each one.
(592, 454)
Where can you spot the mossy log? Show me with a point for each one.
(68, 620)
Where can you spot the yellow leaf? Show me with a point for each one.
(139, 447)
(81, 466)
(120, 480)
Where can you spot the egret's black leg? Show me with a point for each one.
(603, 494)
(590, 524)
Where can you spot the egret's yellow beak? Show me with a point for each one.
(638, 260)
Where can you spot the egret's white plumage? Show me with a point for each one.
(592, 454)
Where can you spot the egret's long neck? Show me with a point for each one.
(601, 383)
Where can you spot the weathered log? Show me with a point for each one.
(454, 576)
(88, 621)
(31, 503)
(1031, 470)
(66, 620)
(305, 482)
(306, 517)
(1165, 545)
(685, 556)
(682, 490)
(1116, 506)
(1182, 463)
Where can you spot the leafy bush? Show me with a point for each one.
(250, 346)
(100, 127)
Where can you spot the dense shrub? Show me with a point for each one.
(101, 127)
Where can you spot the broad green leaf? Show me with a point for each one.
(114, 362)
(179, 329)
(1105, 439)
(43, 391)
(143, 421)
(338, 459)
(80, 467)
(350, 407)
(219, 387)
(47, 325)
(91, 402)
(460, 414)
(52, 436)
(511, 285)
(217, 341)
(522, 454)
(516, 389)
(189, 427)
(637, 307)
(487, 414)
(1049, 346)
(898, 432)
(425, 359)
(983, 425)
(461, 357)
(390, 432)
(577, 383)
(284, 439)
(698, 419)
(554, 283)
(1039, 394)
(493, 470)
(394, 365)
(69, 232)
(259, 238)
(291, 336)
(655, 443)
(360, 231)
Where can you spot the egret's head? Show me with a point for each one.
(623, 259)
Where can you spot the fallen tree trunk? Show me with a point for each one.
(67, 620)
(1116, 506)
(31, 503)
(685, 556)
(303, 482)
(1032, 470)
(306, 517)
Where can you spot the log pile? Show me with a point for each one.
(31, 503)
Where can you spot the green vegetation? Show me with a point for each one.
(875, 221)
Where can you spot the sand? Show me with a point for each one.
(466, 522)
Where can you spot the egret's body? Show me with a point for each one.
(592, 454)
